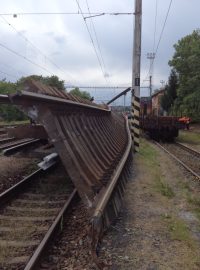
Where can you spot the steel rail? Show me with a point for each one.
(15, 143)
(179, 161)
(2, 141)
(13, 125)
(12, 191)
(43, 244)
(105, 198)
(63, 115)
(3, 133)
(4, 99)
(11, 150)
(112, 194)
(51, 99)
(188, 149)
(18, 187)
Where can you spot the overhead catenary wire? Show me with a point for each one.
(95, 50)
(163, 28)
(7, 74)
(97, 41)
(150, 72)
(15, 14)
(12, 68)
(98, 87)
(33, 45)
(155, 26)
(154, 40)
(25, 58)
(160, 37)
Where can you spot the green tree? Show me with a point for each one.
(53, 81)
(7, 87)
(172, 85)
(167, 100)
(83, 94)
(186, 64)
(10, 112)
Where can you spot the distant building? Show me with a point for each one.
(145, 106)
(156, 102)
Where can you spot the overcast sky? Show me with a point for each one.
(64, 39)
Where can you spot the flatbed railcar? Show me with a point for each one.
(160, 128)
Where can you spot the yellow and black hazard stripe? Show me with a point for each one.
(135, 122)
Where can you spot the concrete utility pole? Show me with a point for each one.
(135, 101)
(151, 57)
(150, 85)
(162, 82)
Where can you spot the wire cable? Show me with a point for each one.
(35, 47)
(150, 71)
(163, 28)
(8, 74)
(97, 41)
(161, 34)
(25, 58)
(12, 68)
(95, 50)
(155, 26)
(66, 13)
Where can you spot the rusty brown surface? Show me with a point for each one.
(39, 88)
(4, 99)
(27, 131)
(89, 139)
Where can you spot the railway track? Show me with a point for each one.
(7, 140)
(21, 146)
(30, 213)
(93, 143)
(2, 130)
(10, 144)
(188, 149)
(184, 155)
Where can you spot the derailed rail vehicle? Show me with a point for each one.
(158, 127)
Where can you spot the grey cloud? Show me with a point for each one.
(66, 41)
(49, 34)
(60, 39)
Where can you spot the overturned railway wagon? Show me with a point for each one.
(94, 145)
(160, 128)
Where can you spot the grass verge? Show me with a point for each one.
(150, 157)
(195, 202)
(188, 137)
(148, 154)
(178, 230)
(3, 123)
(164, 188)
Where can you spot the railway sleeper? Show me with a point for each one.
(106, 216)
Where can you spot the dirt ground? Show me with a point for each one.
(12, 170)
(159, 226)
(195, 128)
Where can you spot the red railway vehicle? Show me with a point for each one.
(158, 127)
(164, 128)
